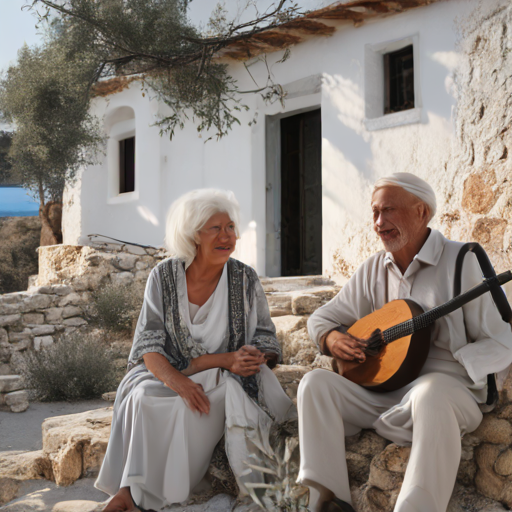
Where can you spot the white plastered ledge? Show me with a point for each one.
(375, 119)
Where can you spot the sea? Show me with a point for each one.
(16, 202)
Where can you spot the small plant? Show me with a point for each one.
(79, 367)
(114, 307)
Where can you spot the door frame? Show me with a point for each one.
(273, 187)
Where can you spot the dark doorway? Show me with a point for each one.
(301, 194)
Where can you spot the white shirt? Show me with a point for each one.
(470, 342)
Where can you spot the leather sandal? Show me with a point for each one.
(337, 505)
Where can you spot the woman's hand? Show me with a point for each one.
(246, 361)
(192, 394)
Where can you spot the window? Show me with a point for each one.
(392, 92)
(127, 165)
(399, 80)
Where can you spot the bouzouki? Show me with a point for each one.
(398, 338)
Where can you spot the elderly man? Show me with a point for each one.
(438, 407)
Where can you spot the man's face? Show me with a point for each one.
(397, 217)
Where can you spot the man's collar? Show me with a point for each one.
(429, 253)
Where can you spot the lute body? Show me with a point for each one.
(398, 339)
(399, 362)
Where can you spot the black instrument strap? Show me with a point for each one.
(498, 295)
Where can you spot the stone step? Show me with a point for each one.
(300, 302)
(10, 383)
(293, 283)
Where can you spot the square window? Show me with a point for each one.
(127, 165)
(399, 80)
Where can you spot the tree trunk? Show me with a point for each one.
(50, 215)
(51, 223)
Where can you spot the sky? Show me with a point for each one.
(16, 28)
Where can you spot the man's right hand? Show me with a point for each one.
(345, 347)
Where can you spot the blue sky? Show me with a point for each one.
(16, 28)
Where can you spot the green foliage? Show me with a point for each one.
(46, 96)
(79, 367)
(155, 40)
(5, 165)
(114, 307)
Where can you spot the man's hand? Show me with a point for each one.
(345, 347)
(246, 361)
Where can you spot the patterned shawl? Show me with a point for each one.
(174, 340)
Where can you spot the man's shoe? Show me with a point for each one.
(337, 505)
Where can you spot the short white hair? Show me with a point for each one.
(189, 213)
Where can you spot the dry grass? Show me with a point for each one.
(19, 239)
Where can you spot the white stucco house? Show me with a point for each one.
(377, 90)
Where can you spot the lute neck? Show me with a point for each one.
(419, 322)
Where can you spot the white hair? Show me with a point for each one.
(189, 213)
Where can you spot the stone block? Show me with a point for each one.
(134, 249)
(494, 430)
(289, 376)
(12, 298)
(21, 345)
(41, 342)
(122, 278)
(38, 301)
(74, 322)
(478, 195)
(62, 289)
(142, 275)
(76, 444)
(305, 304)
(9, 309)
(33, 318)
(40, 289)
(6, 320)
(43, 330)
(10, 383)
(17, 401)
(3, 335)
(141, 265)
(32, 280)
(17, 337)
(73, 299)
(53, 315)
(280, 304)
(110, 396)
(20, 465)
(125, 261)
(70, 311)
(5, 369)
(5, 352)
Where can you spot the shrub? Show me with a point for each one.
(18, 256)
(114, 307)
(79, 367)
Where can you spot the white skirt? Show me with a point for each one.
(161, 449)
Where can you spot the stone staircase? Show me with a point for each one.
(300, 295)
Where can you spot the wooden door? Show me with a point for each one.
(301, 194)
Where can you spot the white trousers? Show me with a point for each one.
(431, 413)
(161, 449)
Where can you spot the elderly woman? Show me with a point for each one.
(198, 368)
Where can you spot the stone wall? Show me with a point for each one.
(478, 203)
(57, 300)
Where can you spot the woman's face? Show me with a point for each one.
(217, 239)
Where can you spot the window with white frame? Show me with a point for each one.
(121, 155)
(392, 86)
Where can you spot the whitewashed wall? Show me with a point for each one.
(352, 157)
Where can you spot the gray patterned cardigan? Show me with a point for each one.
(174, 341)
